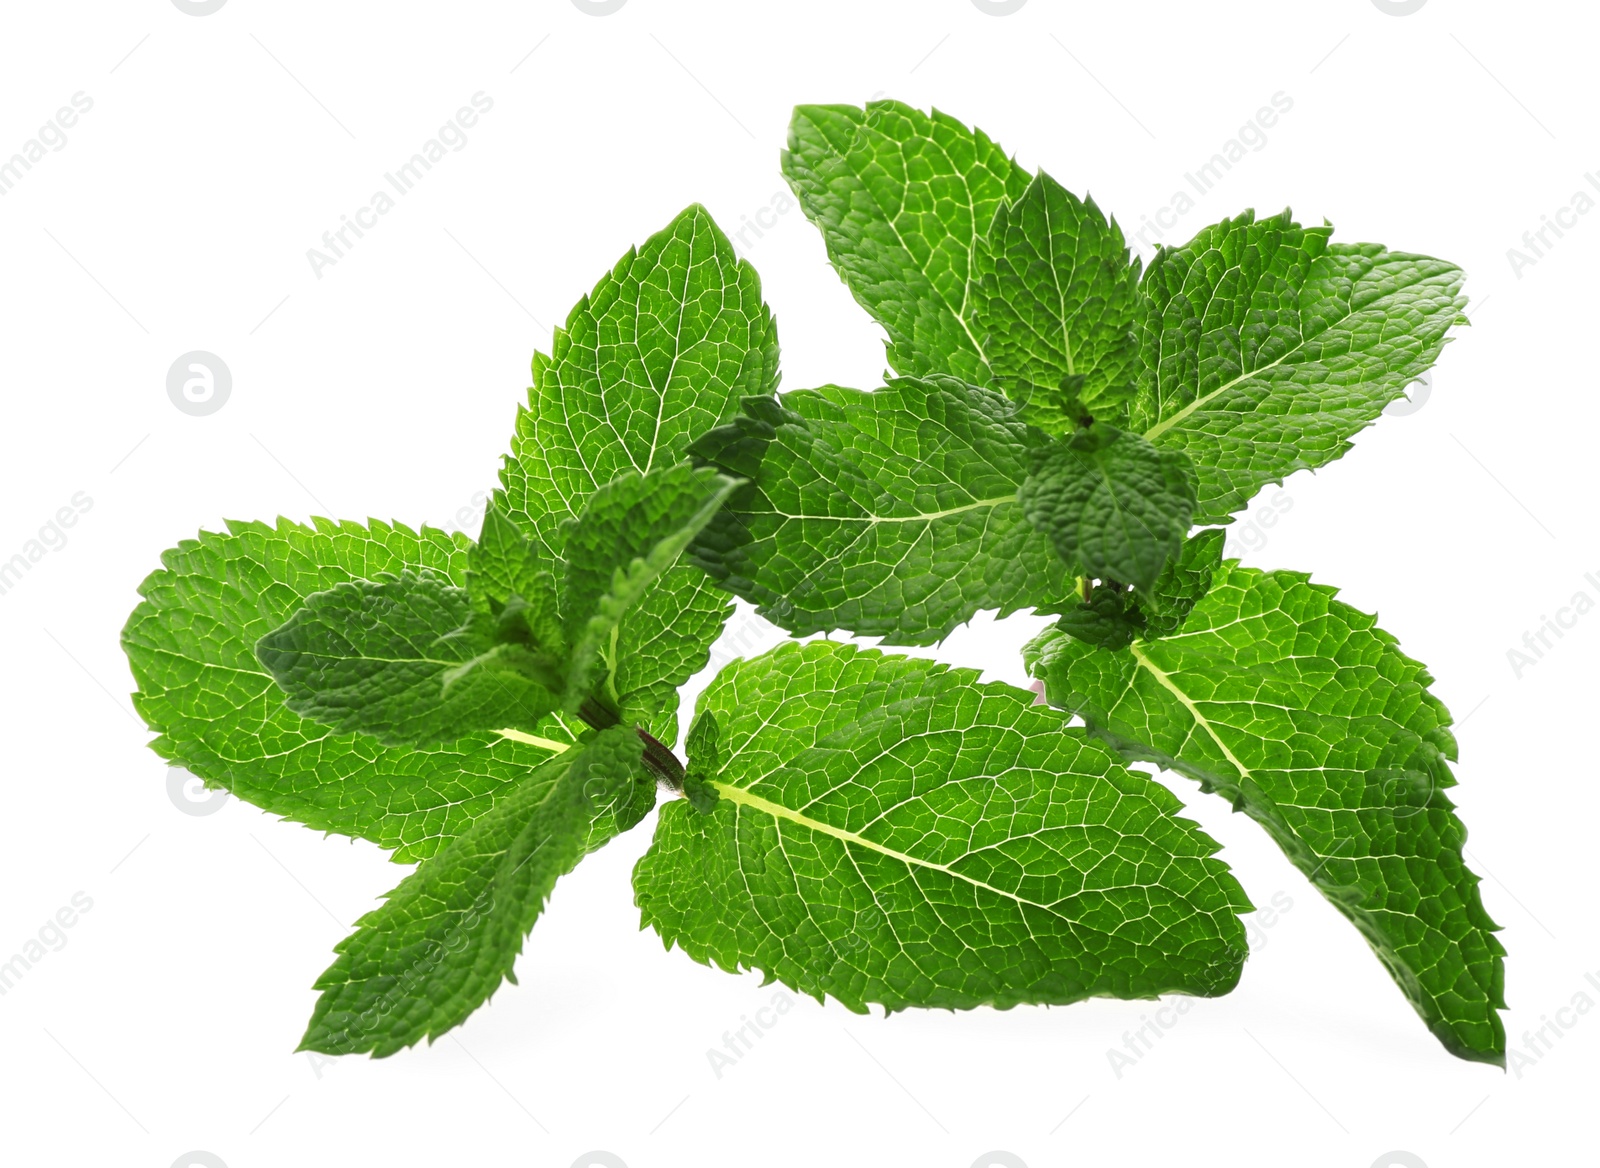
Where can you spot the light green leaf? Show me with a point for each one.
(890, 830)
(901, 196)
(1116, 507)
(630, 532)
(447, 936)
(1266, 349)
(405, 659)
(661, 351)
(1055, 306)
(892, 513)
(219, 715)
(1307, 716)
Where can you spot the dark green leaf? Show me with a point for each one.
(660, 351)
(405, 659)
(1116, 507)
(1266, 349)
(1186, 579)
(630, 532)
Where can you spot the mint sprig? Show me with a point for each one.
(1258, 349)
(855, 824)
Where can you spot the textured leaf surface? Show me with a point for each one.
(889, 830)
(891, 513)
(901, 197)
(504, 563)
(392, 657)
(219, 715)
(1115, 506)
(1108, 618)
(451, 932)
(1181, 587)
(1113, 616)
(1266, 349)
(1056, 302)
(630, 531)
(660, 351)
(1308, 717)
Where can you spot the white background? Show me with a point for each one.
(177, 217)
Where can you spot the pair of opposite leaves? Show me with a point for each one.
(856, 839)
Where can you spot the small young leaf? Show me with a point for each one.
(447, 936)
(1115, 506)
(890, 830)
(1109, 619)
(1057, 300)
(504, 563)
(705, 763)
(1186, 579)
(1266, 349)
(405, 659)
(219, 714)
(1305, 715)
(631, 531)
(901, 197)
(1113, 617)
(892, 513)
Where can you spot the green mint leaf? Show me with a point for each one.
(451, 932)
(702, 744)
(1266, 349)
(1109, 619)
(1306, 715)
(1116, 507)
(892, 513)
(901, 197)
(1113, 617)
(405, 659)
(1186, 579)
(890, 830)
(1056, 304)
(661, 350)
(631, 531)
(505, 563)
(219, 714)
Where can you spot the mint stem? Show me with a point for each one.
(660, 759)
(597, 715)
(657, 756)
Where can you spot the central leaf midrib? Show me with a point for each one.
(746, 798)
(921, 517)
(549, 744)
(1167, 423)
(1165, 680)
